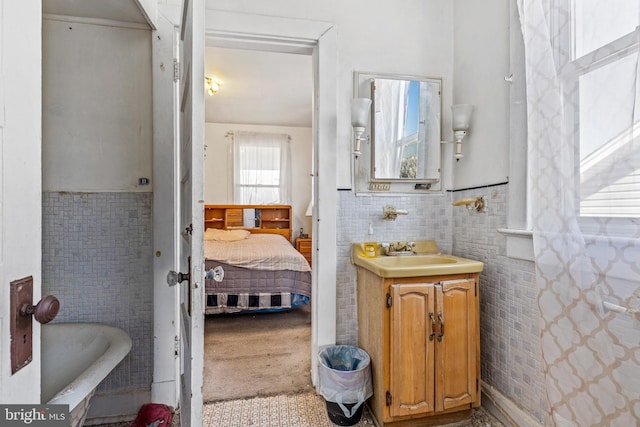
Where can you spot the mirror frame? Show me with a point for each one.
(362, 81)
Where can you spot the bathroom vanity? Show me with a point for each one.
(422, 333)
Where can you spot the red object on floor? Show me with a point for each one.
(153, 414)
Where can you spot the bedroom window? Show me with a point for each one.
(262, 168)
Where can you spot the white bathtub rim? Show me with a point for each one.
(119, 346)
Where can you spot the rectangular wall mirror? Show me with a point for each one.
(405, 127)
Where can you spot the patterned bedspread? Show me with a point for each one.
(240, 280)
(261, 273)
(259, 251)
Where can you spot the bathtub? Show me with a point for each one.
(76, 357)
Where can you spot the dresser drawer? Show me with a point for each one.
(304, 246)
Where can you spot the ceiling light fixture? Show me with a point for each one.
(213, 85)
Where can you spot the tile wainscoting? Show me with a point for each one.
(97, 260)
(510, 352)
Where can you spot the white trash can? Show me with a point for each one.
(344, 382)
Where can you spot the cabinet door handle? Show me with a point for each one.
(433, 326)
(441, 334)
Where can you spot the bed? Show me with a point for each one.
(263, 272)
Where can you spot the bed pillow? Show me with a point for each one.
(226, 235)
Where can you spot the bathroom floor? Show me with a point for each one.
(299, 410)
(261, 366)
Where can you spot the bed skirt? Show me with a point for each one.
(248, 290)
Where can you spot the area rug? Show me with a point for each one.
(300, 410)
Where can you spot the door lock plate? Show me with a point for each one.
(21, 294)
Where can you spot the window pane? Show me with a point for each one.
(609, 141)
(259, 195)
(606, 102)
(262, 177)
(599, 22)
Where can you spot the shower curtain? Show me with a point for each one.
(584, 207)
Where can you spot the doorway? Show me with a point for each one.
(319, 40)
(257, 354)
(241, 30)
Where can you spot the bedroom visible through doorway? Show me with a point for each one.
(257, 354)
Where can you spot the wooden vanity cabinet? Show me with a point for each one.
(422, 334)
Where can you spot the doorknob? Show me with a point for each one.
(217, 274)
(44, 311)
(173, 278)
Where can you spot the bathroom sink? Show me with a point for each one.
(414, 260)
(420, 264)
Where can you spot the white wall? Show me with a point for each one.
(97, 107)
(219, 166)
(481, 61)
(414, 38)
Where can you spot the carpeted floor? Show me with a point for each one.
(253, 355)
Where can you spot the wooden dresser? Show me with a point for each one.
(304, 247)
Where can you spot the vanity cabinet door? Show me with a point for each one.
(456, 343)
(412, 350)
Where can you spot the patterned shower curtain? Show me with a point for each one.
(586, 241)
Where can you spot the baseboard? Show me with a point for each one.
(116, 407)
(507, 412)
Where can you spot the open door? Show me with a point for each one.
(191, 211)
(20, 195)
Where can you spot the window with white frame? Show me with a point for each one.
(598, 58)
(596, 53)
(261, 168)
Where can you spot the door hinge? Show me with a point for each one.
(176, 70)
(176, 347)
(477, 385)
(389, 300)
(388, 398)
(189, 229)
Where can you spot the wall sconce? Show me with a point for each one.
(461, 116)
(213, 85)
(359, 115)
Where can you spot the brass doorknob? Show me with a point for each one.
(44, 311)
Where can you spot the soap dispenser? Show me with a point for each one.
(370, 248)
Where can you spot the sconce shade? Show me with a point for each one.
(360, 112)
(461, 116)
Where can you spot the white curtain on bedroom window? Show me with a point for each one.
(582, 68)
(261, 168)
